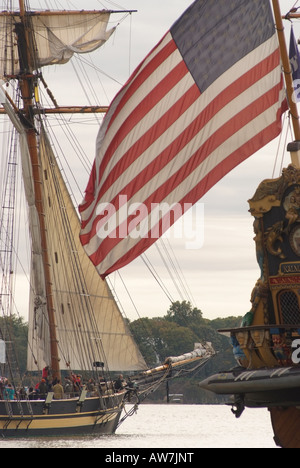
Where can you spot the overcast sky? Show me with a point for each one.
(222, 274)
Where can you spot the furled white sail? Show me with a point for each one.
(90, 327)
(57, 36)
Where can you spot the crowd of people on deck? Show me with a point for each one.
(71, 387)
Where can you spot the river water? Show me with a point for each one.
(173, 427)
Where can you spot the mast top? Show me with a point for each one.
(295, 150)
(54, 36)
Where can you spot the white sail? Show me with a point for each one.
(90, 327)
(37, 270)
(57, 36)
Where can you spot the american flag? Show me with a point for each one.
(208, 96)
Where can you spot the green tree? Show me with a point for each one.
(172, 339)
(15, 329)
(158, 339)
(142, 331)
(184, 314)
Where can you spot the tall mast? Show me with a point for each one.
(26, 86)
(294, 147)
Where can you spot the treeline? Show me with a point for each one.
(158, 338)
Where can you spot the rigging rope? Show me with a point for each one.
(152, 270)
(281, 146)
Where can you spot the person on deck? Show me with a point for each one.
(119, 383)
(2, 387)
(46, 373)
(90, 388)
(9, 393)
(32, 394)
(76, 379)
(58, 391)
(69, 389)
(43, 389)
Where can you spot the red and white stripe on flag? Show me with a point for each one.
(166, 141)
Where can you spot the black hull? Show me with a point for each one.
(61, 418)
(261, 388)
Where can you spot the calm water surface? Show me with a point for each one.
(174, 426)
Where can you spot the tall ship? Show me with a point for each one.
(76, 329)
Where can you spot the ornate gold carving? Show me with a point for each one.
(270, 192)
(292, 207)
(273, 236)
(295, 241)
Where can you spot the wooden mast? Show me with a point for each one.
(294, 147)
(291, 14)
(66, 110)
(26, 86)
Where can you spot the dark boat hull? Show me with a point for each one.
(258, 388)
(61, 418)
(286, 423)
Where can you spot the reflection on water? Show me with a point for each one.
(173, 426)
